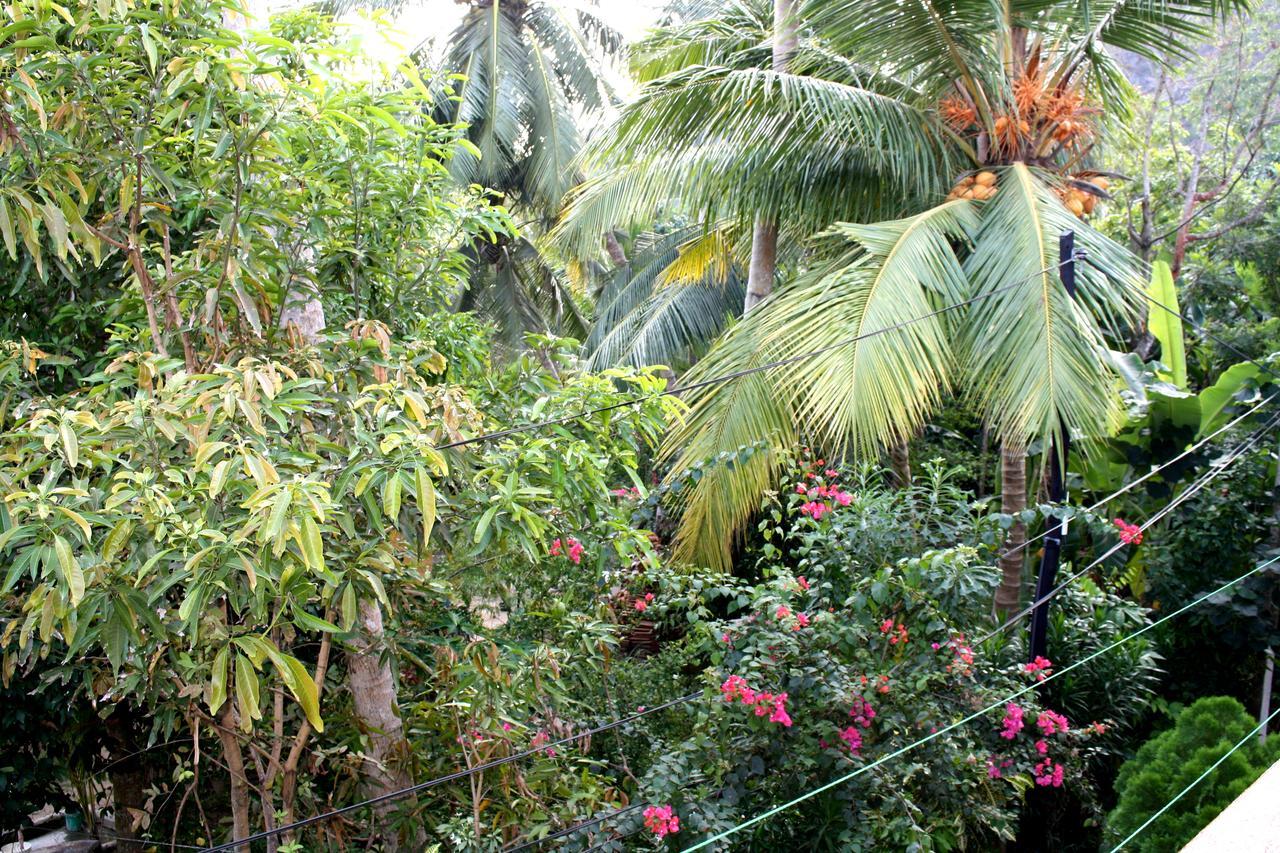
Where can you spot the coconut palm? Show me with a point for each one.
(885, 104)
(521, 74)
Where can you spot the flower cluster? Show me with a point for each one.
(1012, 723)
(963, 662)
(574, 546)
(542, 739)
(995, 766)
(642, 602)
(852, 738)
(898, 633)
(1048, 773)
(1130, 534)
(1042, 667)
(1051, 722)
(631, 494)
(661, 821)
(862, 712)
(736, 687)
(802, 583)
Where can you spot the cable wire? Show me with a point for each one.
(976, 714)
(1262, 725)
(760, 368)
(391, 796)
(1182, 498)
(570, 830)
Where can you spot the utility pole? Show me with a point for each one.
(1056, 471)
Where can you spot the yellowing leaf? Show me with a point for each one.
(426, 503)
(70, 569)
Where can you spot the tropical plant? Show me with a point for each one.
(1019, 94)
(1173, 759)
(524, 73)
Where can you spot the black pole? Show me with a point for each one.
(1055, 470)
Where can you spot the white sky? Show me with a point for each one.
(435, 19)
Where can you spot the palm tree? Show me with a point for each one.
(882, 107)
(529, 71)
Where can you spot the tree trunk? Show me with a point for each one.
(304, 311)
(900, 463)
(764, 237)
(128, 782)
(373, 691)
(614, 248)
(1013, 500)
(764, 262)
(234, 757)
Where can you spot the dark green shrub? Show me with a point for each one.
(1171, 760)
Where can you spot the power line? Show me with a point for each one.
(760, 368)
(975, 715)
(391, 796)
(1191, 490)
(1262, 725)
(577, 826)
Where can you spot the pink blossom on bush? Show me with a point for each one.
(1042, 746)
(1012, 722)
(661, 821)
(862, 712)
(852, 739)
(1051, 722)
(802, 583)
(1130, 534)
(1041, 666)
(783, 611)
(1047, 773)
(575, 549)
(641, 605)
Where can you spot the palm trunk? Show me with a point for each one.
(614, 248)
(900, 463)
(764, 236)
(1013, 500)
(373, 691)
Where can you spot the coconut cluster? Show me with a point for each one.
(978, 187)
(1080, 201)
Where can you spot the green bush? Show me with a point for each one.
(1171, 760)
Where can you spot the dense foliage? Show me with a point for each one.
(307, 500)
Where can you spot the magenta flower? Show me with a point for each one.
(1012, 722)
(1130, 534)
(661, 821)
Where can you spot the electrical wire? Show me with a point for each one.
(391, 796)
(1212, 767)
(760, 368)
(976, 714)
(1186, 495)
(570, 830)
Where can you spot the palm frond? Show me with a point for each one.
(855, 395)
(1035, 358)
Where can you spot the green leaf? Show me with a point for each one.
(1166, 325)
(70, 569)
(219, 477)
(6, 230)
(312, 545)
(247, 692)
(1216, 397)
(218, 694)
(391, 497)
(70, 446)
(485, 520)
(116, 539)
(149, 44)
(426, 502)
(349, 607)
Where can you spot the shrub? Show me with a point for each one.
(1171, 760)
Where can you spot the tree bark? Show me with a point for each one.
(614, 248)
(128, 783)
(1013, 500)
(234, 757)
(764, 236)
(900, 463)
(304, 311)
(373, 691)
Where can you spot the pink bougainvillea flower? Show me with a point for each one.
(843, 498)
(802, 621)
(1041, 667)
(661, 821)
(641, 605)
(1047, 773)
(783, 611)
(1042, 746)
(1130, 534)
(648, 596)
(1051, 722)
(506, 727)
(852, 739)
(1012, 722)
(886, 626)
(575, 550)
(802, 583)
(800, 489)
(832, 473)
(726, 639)
(556, 548)
(862, 712)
